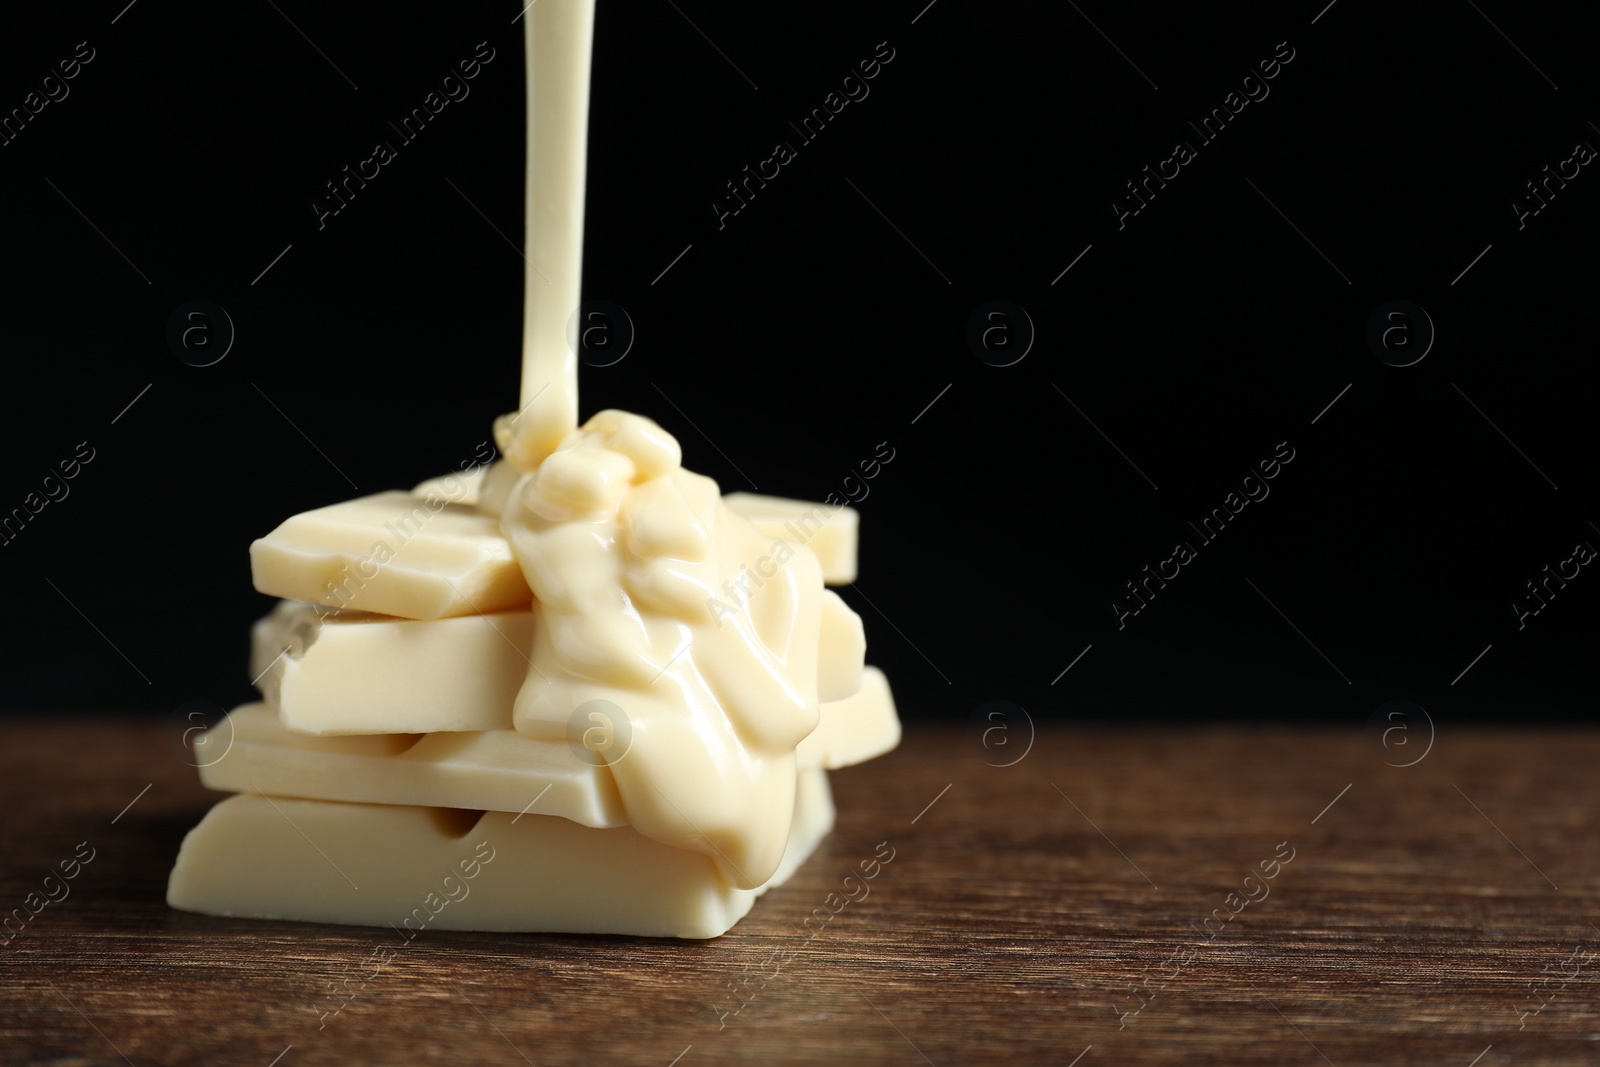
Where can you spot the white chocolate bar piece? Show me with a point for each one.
(853, 730)
(358, 673)
(414, 868)
(829, 531)
(394, 554)
(495, 770)
(842, 650)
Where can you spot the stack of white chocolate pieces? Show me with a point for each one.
(384, 781)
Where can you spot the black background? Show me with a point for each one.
(826, 316)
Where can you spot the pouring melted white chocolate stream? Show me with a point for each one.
(558, 36)
(627, 554)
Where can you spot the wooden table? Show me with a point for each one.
(1034, 913)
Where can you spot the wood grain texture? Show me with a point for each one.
(1017, 915)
